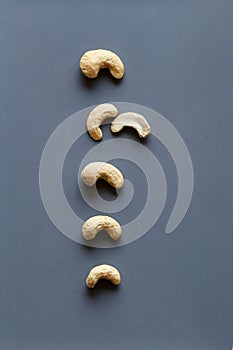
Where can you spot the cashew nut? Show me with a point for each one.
(100, 170)
(97, 116)
(100, 222)
(92, 61)
(134, 120)
(106, 272)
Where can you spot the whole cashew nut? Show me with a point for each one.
(97, 116)
(100, 222)
(101, 170)
(134, 120)
(104, 271)
(92, 61)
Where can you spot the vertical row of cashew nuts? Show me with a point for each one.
(90, 64)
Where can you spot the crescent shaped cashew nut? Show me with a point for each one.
(94, 60)
(134, 120)
(97, 116)
(106, 272)
(101, 170)
(100, 222)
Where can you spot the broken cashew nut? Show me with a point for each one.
(100, 170)
(92, 61)
(106, 272)
(97, 116)
(134, 120)
(100, 222)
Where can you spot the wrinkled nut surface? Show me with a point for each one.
(100, 222)
(106, 272)
(92, 61)
(97, 116)
(101, 170)
(134, 120)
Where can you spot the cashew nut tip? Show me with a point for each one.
(134, 120)
(97, 116)
(101, 170)
(100, 222)
(106, 272)
(92, 61)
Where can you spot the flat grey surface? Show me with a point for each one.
(177, 289)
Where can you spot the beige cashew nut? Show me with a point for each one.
(92, 61)
(100, 222)
(101, 170)
(97, 116)
(134, 120)
(104, 271)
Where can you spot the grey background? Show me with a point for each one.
(177, 289)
